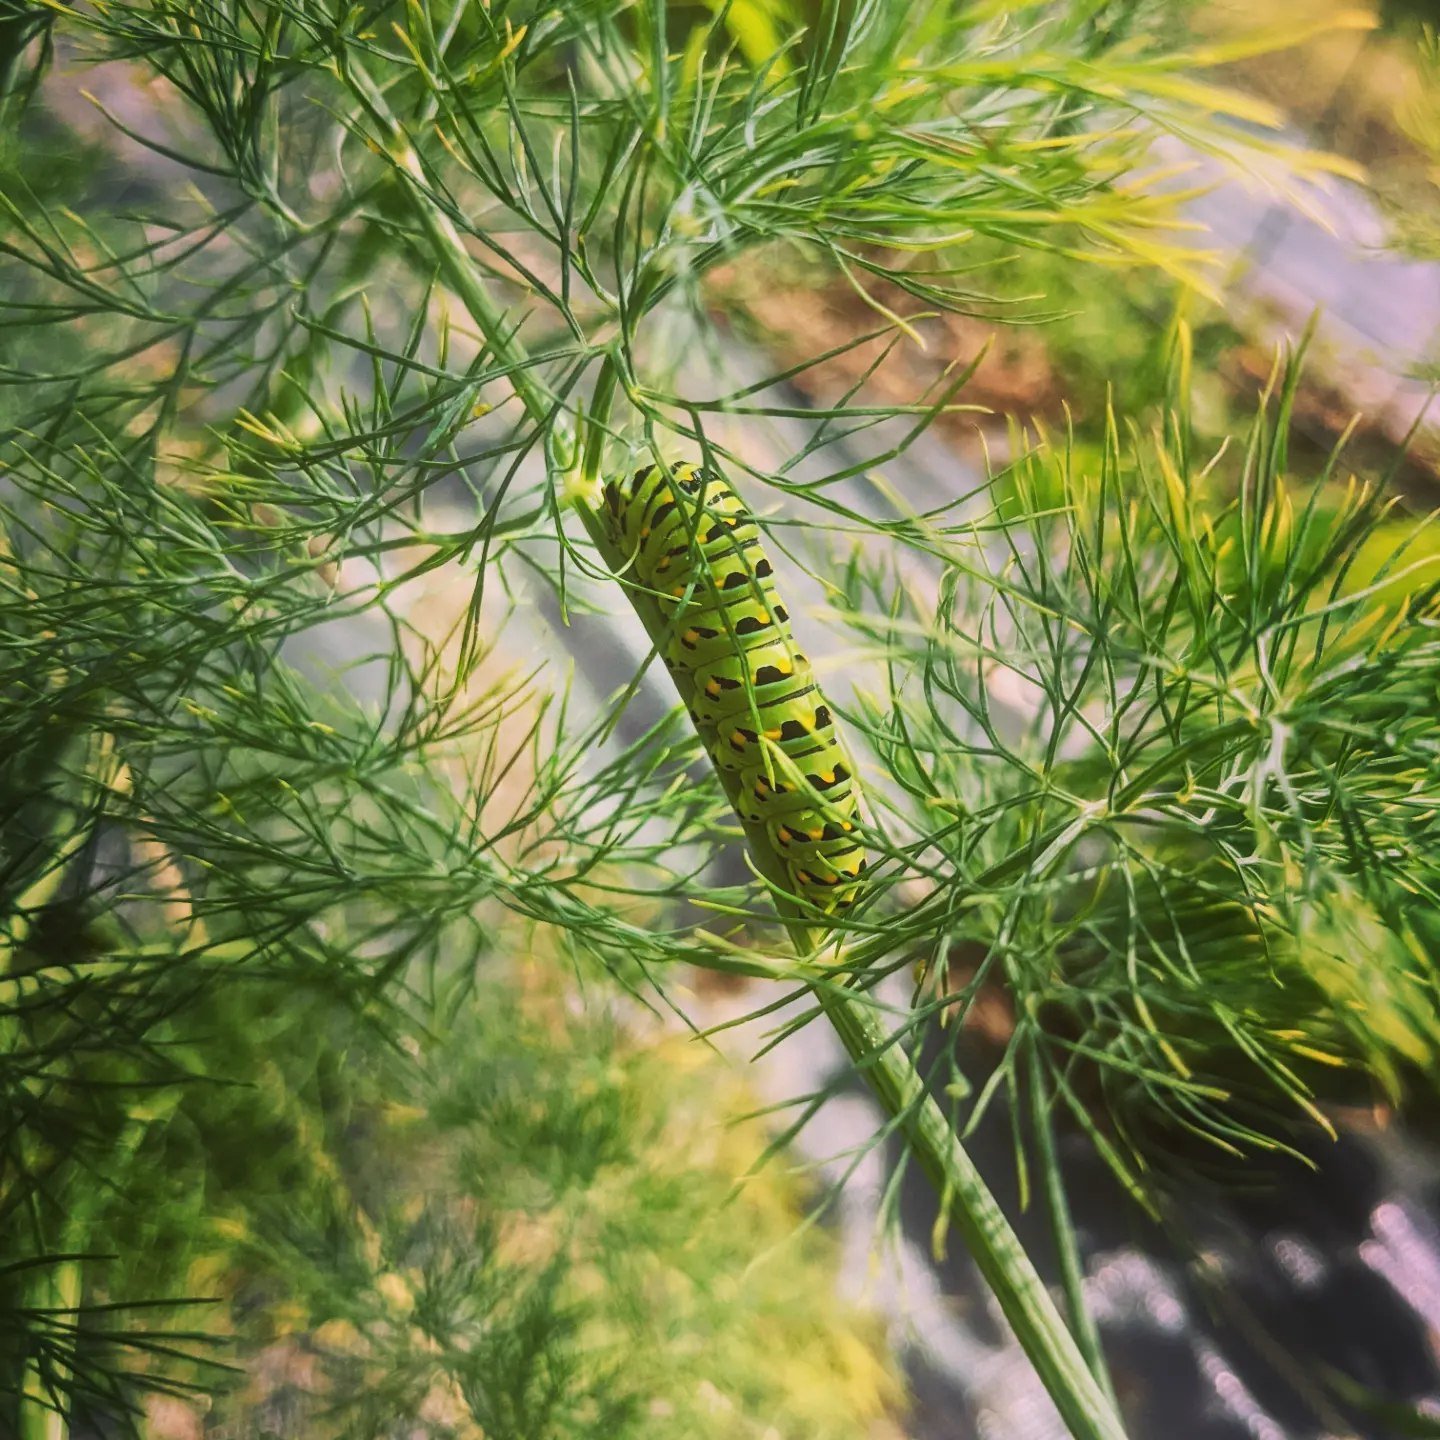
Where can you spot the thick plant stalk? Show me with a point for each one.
(55, 1288)
(43, 1414)
(981, 1224)
(992, 1242)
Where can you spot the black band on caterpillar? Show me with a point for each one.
(752, 694)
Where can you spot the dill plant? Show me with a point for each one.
(363, 296)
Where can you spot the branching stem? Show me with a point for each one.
(888, 1069)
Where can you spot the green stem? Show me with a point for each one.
(44, 1407)
(590, 460)
(993, 1245)
(455, 262)
(1082, 1323)
(996, 1249)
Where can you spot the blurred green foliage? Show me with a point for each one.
(519, 1219)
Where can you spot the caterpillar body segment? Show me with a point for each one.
(751, 693)
(817, 841)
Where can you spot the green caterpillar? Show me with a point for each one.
(750, 692)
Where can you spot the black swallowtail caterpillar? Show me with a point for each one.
(750, 692)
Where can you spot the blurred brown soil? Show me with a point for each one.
(798, 319)
(1016, 376)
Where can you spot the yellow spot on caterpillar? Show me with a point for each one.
(737, 739)
(816, 834)
(644, 532)
(829, 778)
(678, 590)
(690, 638)
(663, 563)
(846, 825)
(783, 835)
(772, 734)
(713, 689)
(804, 877)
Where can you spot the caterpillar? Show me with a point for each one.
(750, 692)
